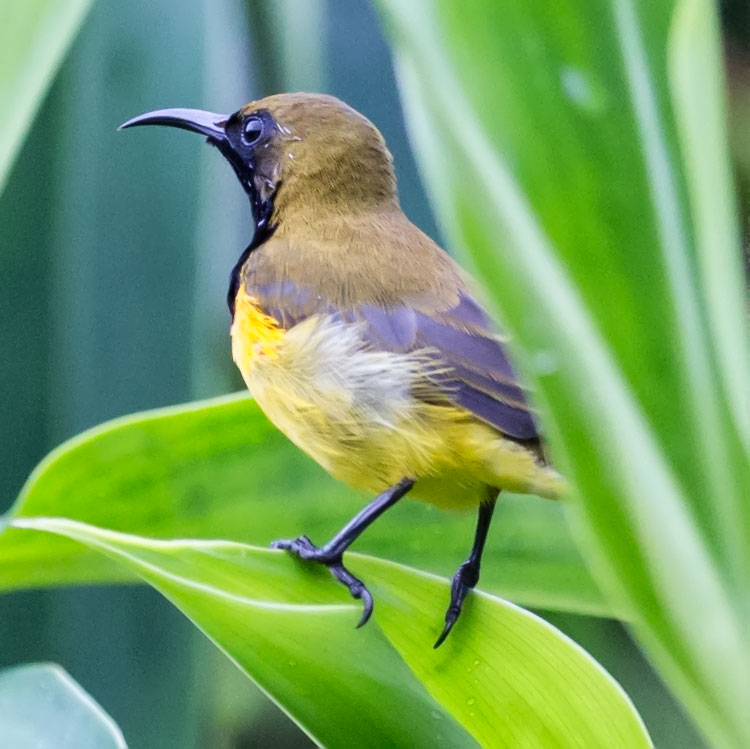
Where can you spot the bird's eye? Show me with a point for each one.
(252, 130)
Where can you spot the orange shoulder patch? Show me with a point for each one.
(254, 333)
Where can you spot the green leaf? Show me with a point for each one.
(697, 91)
(504, 678)
(219, 469)
(569, 155)
(41, 706)
(34, 36)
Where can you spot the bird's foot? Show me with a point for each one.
(463, 581)
(305, 549)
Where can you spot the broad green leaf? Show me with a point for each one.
(42, 707)
(555, 160)
(219, 469)
(697, 91)
(34, 36)
(506, 678)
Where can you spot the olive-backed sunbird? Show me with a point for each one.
(357, 335)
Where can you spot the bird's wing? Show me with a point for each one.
(476, 372)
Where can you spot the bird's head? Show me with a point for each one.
(297, 156)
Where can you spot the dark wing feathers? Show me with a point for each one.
(473, 350)
(481, 378)
(510, 420)
(393, 329)
(477, 373)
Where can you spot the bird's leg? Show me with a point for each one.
(331, 554)
(468, 573)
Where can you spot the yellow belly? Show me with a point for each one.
(353, 410)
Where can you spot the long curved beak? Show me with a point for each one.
(209, 124)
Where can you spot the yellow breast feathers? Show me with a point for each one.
(370, 416)
(254, 333)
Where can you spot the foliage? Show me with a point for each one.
(579, 159)
(592, 195)
(41, 706)
(220, 468)
(506, 677)
(34, 36)
(217, 468)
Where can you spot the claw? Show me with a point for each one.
(305, 549)
(357, 589)
(463, 581)
(367, 604)
(451, 617)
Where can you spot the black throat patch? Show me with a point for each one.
(263, 232)
(247, 161)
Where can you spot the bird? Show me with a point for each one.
(359, 337)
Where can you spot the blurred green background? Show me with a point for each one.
(116, 250)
